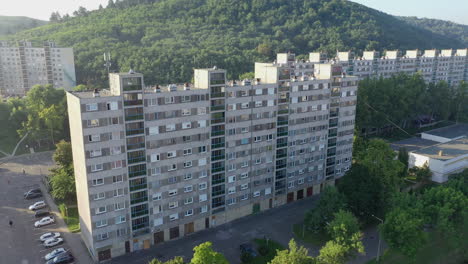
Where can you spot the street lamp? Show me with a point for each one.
(378, 248)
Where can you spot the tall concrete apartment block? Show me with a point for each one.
(434, 65)
(155, 164)
(22, 66)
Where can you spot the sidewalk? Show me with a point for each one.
(72, 240)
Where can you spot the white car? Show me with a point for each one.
(37, 205)
(49, 235)
(52, 242)
(44, 221)
(54, 253)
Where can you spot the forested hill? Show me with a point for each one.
(442, 27)
(14, 24)
(166, 39)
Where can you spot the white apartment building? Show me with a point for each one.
(153, 164)
(22, 66)
(434, 65)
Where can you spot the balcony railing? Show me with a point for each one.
(139, 200)
(139, 213)
(133, 102)
(219, 145)
(136, 159)
(284, 111)
(140, 226)
(217, 133)
(217, 169)
(332, 135)
(218, 107)
(213, 194)
(281, 145)
(218, 157)
(138, 187)
(280, 166)
(131, 132)
(134, 117)
(281, 156)
(282, 134)
(136, 173)
(218, 95)
(217, 82)
(217, 120)
(282, 123)
(135, 146)
(218, 181)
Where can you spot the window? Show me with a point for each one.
(96, 167)
(188, 188)
(202, 162)
(244, 175)
(231, 167)
(201, 110)
(271, 103)
(244, 186)
(202, 197)
(291, 184)
(155, 171)
(245, 164)
(114, 136)
(300, 181)
(169, 100)
(245, 105)
(173, 205)
(173, 217)
(101, 210)
(204, 209)
(157, 196)
(244, 197)
(172, 167)
(188, 200)
(270, 137)
(256, 194)
(202, 186)
(258, 104)
(99, 196)
(97, 182)
(120, 219)
(189, 212)
(112, 106)
(121, 232)
(202, 123)
(119, 206)
(116, 164)
(187, 138)
(203, 174)
(172, 192)
(153, 130)
(186, 112)
(186, 125)
(257, 139)
(188, 176)
(158, 222)
(244, 130)
(258, 161)
(202, 149)
(103, 236)
(155, 157)
(118, 192)
(170, 127)
(93, 122)
(231, 201)
(268, 191)
(115, 150)
(187, 151)
(94, 138)
(91, 107)
(231, 179)
(231, 107)
(231, 190)
(187, 164)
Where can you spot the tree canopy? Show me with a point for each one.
(331, 201)
(204, 254)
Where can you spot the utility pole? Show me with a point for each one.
(378, 248)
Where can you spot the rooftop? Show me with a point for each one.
(446, 151)
(451, 132)
(90, 93)
(412, 144)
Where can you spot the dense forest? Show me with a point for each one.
(166, 39)
(13, 24)
(442, 27)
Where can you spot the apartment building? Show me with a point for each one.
(157, 163)
(22, 66)
(434, 65)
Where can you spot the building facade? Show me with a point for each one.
(434, 65)
(155, 164)
(22, 66)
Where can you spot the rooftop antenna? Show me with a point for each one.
(107, 59)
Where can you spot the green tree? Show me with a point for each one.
(53, 119)
(63, 155)
(330, 202)
(422, 174)
(175, 260)
(293, 255)
(62, 182)
(247, 75)
(403, 231)
(403, 157)
(80, 88)
(332, 253)
(204, 254)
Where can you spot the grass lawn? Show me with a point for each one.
(437, 250)
(72, 219)
(272, 247)
(316, 239)
(8, 140)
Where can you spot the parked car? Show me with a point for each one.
(52, 242)
(37, 205)
(54, 253)
(32, 195)
(49, 235)
(41, 213)
(35, 190)
(62, 258)
(44, 221)
(247, 248)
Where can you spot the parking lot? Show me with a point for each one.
(20, 242)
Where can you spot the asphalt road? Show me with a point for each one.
(19, 243)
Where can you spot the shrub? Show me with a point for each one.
(263, 250)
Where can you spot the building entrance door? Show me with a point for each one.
(300, 194)
(310, 191)
(158, 237)
(189, 228)
(290, 197)
(104, 255)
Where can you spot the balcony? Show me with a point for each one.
(217, 82)
(217, 193)
(332, 135)
(214, 170)
(135, 146)
(136, 159)
(138, 187)
(217, 120)
(134, 117)
(140, 226)
(281, 145)
(217, 133)
(218, 181)
(139, 200)
(283, 123)
(218, 107)
(282, 134)
(134, 87)
(136, 173)
(281, 166)
(218, 95)
(218, 157)
(282, 112)
(281, 156)
(137, 131)
(140, 213)
(218, 145)
(133, 102)
(331, 144)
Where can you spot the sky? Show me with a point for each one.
(452, 10)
